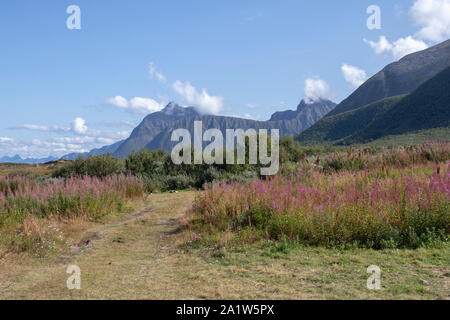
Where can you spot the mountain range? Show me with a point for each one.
(18, 159)
(406, 96)
(156, 129)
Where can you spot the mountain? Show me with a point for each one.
(427, 107)
(155, 131)
(401, 77)
(308, 113)
(18, 159)
(94, 152)
(343, 125)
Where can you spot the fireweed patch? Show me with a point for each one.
(409, 207)
(23, 201)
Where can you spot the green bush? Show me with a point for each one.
(94, 166)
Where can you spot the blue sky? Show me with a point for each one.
(71, 90)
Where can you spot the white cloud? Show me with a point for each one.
(5, 140)
(145, 105)
(381, 46)
(399, 48)
(433, 16)
(353, 75)
(118, 101)
(34, 127)
(316, 89)
(405, 46)
(202, 101)
(58, 146)
(136, 105)
(153, 72)
(79, 126)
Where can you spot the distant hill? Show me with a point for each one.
(155, 131)
(95, 152)
(18, 159)
(401, 77)
(427, 107)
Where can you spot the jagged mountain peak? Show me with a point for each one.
(313, 110)
(173, 110)
(314, 103)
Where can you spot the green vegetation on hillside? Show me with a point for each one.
(426, 108)
(336, 128)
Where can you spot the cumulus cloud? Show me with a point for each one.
(118, 101)
(136, 105)
(316, 89)
(380, 46)
(353, 75)
(433, 16)
(79, 126)
(145, 105)
(399, 48)
(153, 72)
(202, 101)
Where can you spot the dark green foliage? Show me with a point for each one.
(94, 166)
(335, 128)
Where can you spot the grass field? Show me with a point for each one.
(145, 254)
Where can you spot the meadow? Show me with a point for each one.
(397, 198)
(27, 204)
(309, 232)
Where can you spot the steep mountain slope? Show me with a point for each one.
(426, 108)
(152, 126)
(401, 77)
(156, 129)
(343, 125)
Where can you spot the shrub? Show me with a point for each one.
(94, 166)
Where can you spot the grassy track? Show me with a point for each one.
(140, 257)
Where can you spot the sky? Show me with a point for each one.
(70, 83)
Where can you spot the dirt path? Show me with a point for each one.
(139, 257)
(133, 258)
